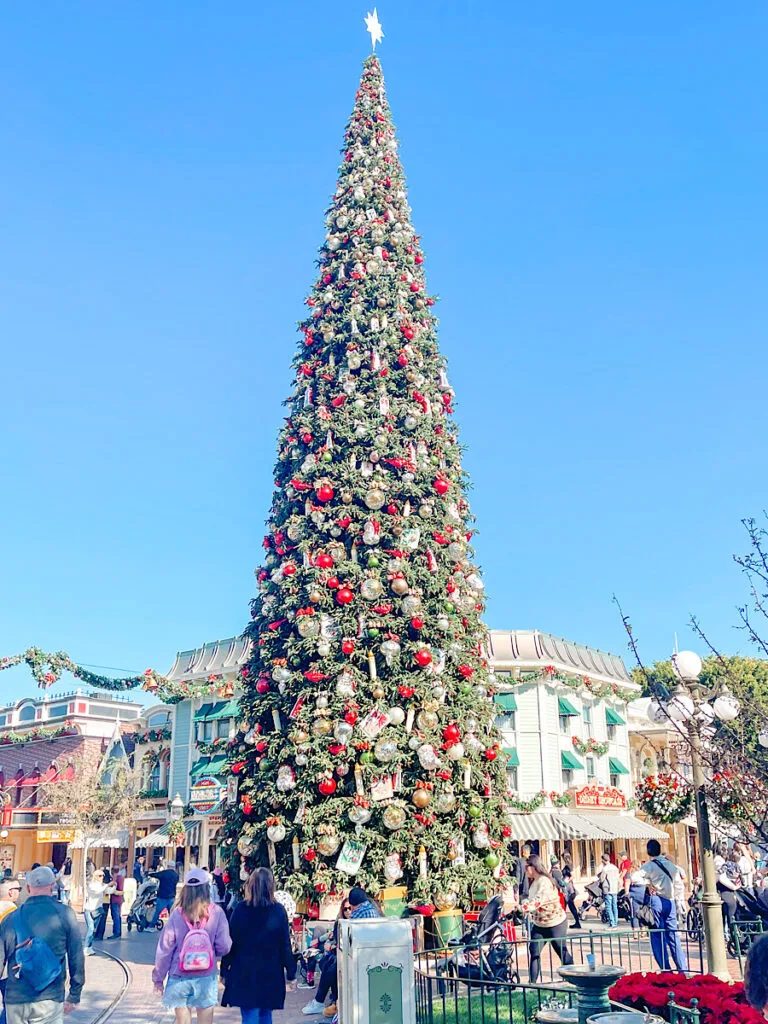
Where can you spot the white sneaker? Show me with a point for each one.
(313, 1007)
(305, 984)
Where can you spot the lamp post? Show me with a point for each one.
(688, 705)
(177, 808)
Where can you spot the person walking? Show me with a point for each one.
(94, 897)
(260, 960)
(665, 939)
(608, 877)
(329, 979)
(65, 881)
(362, 904)
(728, 884)
(566, 887)
(548, 919)
(100, 919)
(168, 880)
(218, 888)
(116, 901)
(195, 934)
(35, 990)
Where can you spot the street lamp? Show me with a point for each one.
(688, 706)
(177, 808)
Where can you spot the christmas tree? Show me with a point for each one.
(368, 754)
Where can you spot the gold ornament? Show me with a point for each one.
(315, 596)
(378, 692)
(321, 727)
(421, 798)
(399, 586)
(347, 497)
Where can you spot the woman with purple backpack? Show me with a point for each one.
(194, 935)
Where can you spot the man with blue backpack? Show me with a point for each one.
(38, 942)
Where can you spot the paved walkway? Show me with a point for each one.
(140, 1005)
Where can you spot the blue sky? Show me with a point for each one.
(589, 183)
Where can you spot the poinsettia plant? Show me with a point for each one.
(720, 1002)
(666, 797)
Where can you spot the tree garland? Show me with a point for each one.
(152, 736)
(590, 746)
(536, 801)
(603, 691)
(47, 669)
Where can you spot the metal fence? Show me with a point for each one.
(490, 985)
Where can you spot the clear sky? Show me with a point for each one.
(590, 184)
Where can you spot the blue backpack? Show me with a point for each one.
(36, 963)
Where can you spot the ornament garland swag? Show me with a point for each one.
(367, 699)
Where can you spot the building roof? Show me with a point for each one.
(531, 649)
(218, 658)
(27, 763)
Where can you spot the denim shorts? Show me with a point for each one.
(199, 993)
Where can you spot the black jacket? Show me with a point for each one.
(261, 952)
(168, 880)
(57, 925)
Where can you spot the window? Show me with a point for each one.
(154, 780)
(3, 719)
(27, 713)
(611, 733)
(159, 720)
(207, 731)
(565, 725)
(590, 767)
(224, 725)
(59, 711)
(507, 722)
(615, 781)
(512, 784)
(567, 778)
(587, 714)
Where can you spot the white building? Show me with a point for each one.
(90, 713)
(563, 719)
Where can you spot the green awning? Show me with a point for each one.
(615, 767)
(228, 709)
(506, 701)
(208, 766)
(208, 711)
(200, 767)
(513, 761)
(564, 707)
(613, 717)
(569, 760)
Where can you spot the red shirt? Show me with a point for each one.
(117, 897)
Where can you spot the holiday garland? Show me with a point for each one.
(47, 669)
(603, 691)
(152, 735)
(38, 733)
(537, 801)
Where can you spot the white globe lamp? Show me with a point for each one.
(680, 707)
(686, 665)
(762, 736)
(656, 713)
(726, 707)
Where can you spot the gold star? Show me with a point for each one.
(373, 26)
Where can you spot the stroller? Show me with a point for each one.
(143, 907)
(751, 921)
(483, 954)
(596, 901)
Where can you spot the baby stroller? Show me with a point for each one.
(143, 907)
(596, 901)
(750, 922)
(483, 954)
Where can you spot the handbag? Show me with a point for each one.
(36, 963)
(647, 915)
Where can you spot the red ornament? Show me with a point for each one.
(418, 258)
(332, 582)
(441, 485)
(392, 509)
(321, 887)
(261, 746)
(344, 522)
(417, 623)
(467, 671)
(405, 691)
(310, 855)
(324, 492)
(327, 787)
(452, 733)
(414, 286)
(408, 332)
(262, 686)
(336, 748)
(402, 359)
(323, 561)
(491, 754)
(246, 805)
(289, 570)
(350, 717)
(344, 595)
(423, 657)
(348, 646)
(238, 766)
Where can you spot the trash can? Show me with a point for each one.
(376, 979)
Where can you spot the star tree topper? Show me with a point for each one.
(373, 25)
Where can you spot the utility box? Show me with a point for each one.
(376, 982)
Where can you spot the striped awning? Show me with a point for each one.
(159, 838)
(103, 841)
(536, 825)
(617, 826)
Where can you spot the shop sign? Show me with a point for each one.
(600, 796)
(206, 793)
(55, 835)
(216, 821)
(7, 857)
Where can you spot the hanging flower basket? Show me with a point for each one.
(177, 833)
(666, 798)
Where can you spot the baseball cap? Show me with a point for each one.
(38, 878)
(197, 876)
